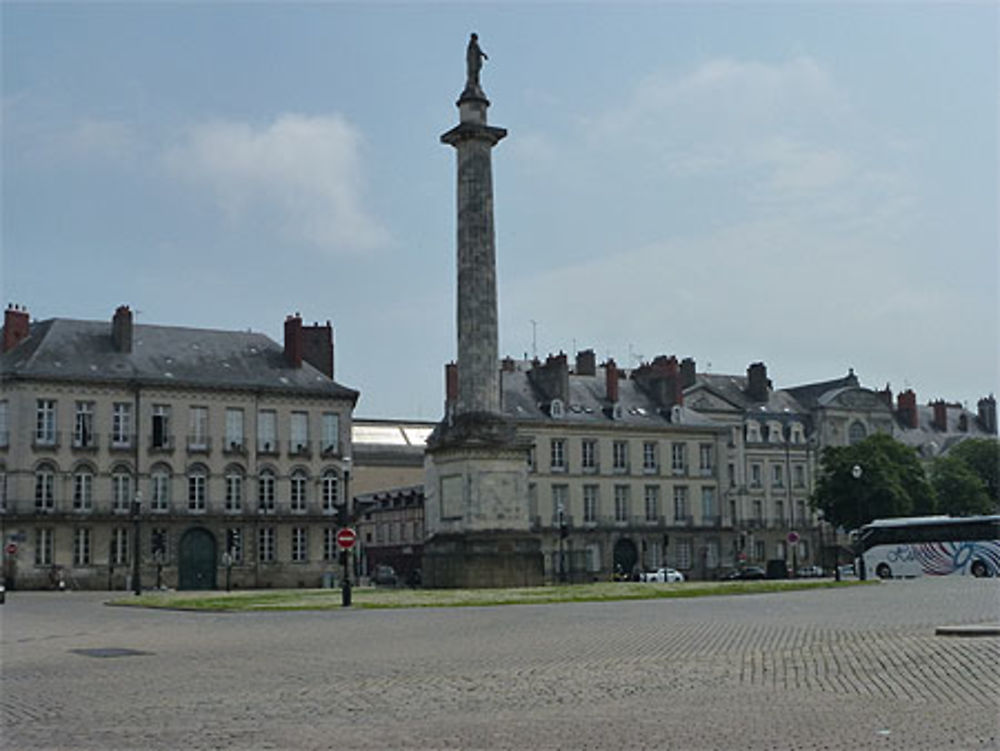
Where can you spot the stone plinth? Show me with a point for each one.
(488, 560)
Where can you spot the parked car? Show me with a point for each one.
(385, 576)
(777, 569)
(746, 573)
(809, 572)
(662, 575)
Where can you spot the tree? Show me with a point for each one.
(891, 482)
(982, 456)
(959, 490)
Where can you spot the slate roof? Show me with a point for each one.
(74, 350)
(587, 403)
(732, 388)
(811, 394)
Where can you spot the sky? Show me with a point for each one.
(811, 185)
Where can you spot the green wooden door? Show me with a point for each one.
(196, 560)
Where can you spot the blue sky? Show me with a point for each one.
(813, 185)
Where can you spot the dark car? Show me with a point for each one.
(385, 576)
(777, 569)
(746, 573)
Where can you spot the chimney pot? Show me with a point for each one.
(293, 341)
(121, 329)
(16, 326)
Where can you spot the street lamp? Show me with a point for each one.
(856, 472)
(563, 531)
(136, 548)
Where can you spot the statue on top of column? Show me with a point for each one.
(474, 57)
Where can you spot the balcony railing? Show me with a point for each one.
(300, 448)
(86, 442)
(120, 442)
(267, 448)
(162, 442)
(234, 446)
(199, 444)
(46, 440)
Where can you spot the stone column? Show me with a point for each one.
(478, 353)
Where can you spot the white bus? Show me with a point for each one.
(933, 545)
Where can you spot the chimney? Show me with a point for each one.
(16, 326)
(293, 340)
(450, 387)
(885, 396)
(121, 329)
(317, 347)
(611, 380)
(987, 417)
(906, 409)
(688, 376)
(757, 383)
(661, 380)
(940, 420)
(551, 380)
(586, 363)
(507, 365)
(963, 422)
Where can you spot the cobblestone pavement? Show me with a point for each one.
(853, 668)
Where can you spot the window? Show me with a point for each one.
(560, 504)
(800, 475)
(712, 553)
(300, 433)
(267, 431)
(4, 424)
(652, 494)
(298, 496)
(856, 432)
(732, 475)
(119, 546)
(331, 433)
(779, 512)
(121, 425)
(706, 458)
(331, 492)
(81, 546)
(557, 408)
(759, 550)
(234, 489)
(593, 552)
(83, 490)
(619, 456)
(800, 511)
(758, 512)
(329, 544)
(198, 429)
(161, 427)
(753, 432)
(158, 544)
(681, 511)
(234, 430)
(300, 545)
(83, 425)
(777, 475)
(755, 480)
(709, 512)
(621, 503)
(197, 490)
(159, 496)
(775, 432)
(591, 503)
(684, 554)
(45, 422)
(531, 459)
(44, 544)
(121, 490)
(557, 456)
(45, 482)
(265, 491)
(649, 458)
(418, 533)
(588, 455)
(266, 544)
(678, 458)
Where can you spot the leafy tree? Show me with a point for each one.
(892, 482)
(958, 488)
(982, 456)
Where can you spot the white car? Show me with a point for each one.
(662, 575)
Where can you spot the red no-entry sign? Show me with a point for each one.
(346, 538)
(11, 548)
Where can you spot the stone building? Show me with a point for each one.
(234, 448)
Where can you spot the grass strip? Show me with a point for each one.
(378, 598)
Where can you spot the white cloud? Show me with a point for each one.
(302, 175)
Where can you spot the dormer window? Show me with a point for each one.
(616, 412)
(776, 433)
(753, 431)
(556, 408)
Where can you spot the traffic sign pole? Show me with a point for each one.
(345, 540)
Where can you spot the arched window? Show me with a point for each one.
(265, 490)
(121, 489)
(856, 433)
(234, 489)
(159, 488)
(45, 487)
(197, 479)
(331, 491)
(83, 488)
(299, 482)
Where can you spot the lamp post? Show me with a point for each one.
(345, 587)
(856, 472)
(136, 548)
(562, 542)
